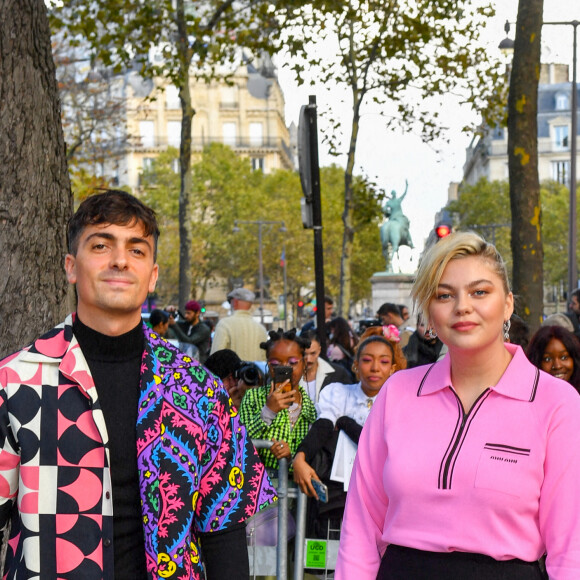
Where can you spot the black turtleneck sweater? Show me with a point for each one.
(115, 364)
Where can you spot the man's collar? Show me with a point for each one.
(519, 381)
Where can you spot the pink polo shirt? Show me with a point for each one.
(503, 480)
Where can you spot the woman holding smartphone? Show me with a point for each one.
(467, 468)
(281, 410)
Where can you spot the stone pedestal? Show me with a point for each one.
(391, 287)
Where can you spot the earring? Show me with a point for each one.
(506, 329)
(430, 333)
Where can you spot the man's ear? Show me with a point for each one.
(153, 279)
(70, 268)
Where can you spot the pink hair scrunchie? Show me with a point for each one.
(391, 332)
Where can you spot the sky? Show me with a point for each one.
(393, 157)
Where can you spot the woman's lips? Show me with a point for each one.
(464, 325)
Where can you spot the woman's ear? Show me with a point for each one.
(393, 369)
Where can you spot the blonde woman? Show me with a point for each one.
(467, 468)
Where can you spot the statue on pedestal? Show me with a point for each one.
(395, 231)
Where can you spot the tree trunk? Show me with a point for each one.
(526, 240)
(348, 213)
(35, 196)
(348, 234)
(184, 159)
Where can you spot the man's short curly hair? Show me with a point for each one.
(112, 206)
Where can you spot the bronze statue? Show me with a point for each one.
(395, 231)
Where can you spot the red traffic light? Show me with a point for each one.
(300, 304)
(442, 230)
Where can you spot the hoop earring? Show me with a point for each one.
(506, 329)
(430, 333)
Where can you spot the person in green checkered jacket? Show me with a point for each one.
(280, 412)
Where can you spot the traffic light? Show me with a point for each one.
(300, 306)
(202, 304)
(442, 230)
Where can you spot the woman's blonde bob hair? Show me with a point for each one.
(453, 247)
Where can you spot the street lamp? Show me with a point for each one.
(572, 229)
(261, 224)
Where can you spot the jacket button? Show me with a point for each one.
(108, 495)
(107, 542)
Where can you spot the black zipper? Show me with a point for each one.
(445, 479)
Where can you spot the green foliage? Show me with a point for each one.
(555, 201)
(487, 203)
(208, 34)
(161, 192)
(402, 55)
(226, 191)
(367, 253)
(485, 209)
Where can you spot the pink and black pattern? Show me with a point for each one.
(198, 471)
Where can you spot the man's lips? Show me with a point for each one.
(118, 281)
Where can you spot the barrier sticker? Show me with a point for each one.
(315, 554)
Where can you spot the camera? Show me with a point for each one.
(250, 373)
(367, 323)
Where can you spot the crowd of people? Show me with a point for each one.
(462, 429)
(329, 395)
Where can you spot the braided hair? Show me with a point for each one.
(275, 336)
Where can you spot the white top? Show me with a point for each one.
(338, 400)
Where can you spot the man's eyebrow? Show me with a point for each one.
(111, 237)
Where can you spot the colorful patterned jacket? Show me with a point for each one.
(198, 471)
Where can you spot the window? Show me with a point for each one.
(229, 134)
(258, 163)
(229, 97)
(561, 137)
(562, 102)
(256, 137)
(172, 97)
(174, 133)
(147, 163)
(147, 133)
(498, 133)
(561, 171)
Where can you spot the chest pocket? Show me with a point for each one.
(502, 468)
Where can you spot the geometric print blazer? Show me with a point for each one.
(198, 471)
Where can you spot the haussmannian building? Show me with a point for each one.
(487, 156)
(247, 115)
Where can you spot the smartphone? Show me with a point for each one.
(320, 489)
(282, 374)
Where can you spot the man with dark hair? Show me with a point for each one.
(120, 457)
(404, 310)
(390, 313)
(193, 334)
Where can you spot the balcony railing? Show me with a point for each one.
(201, 142)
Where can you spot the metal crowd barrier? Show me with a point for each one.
(281, 549)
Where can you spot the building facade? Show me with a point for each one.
(247, 114)
(487, 156)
